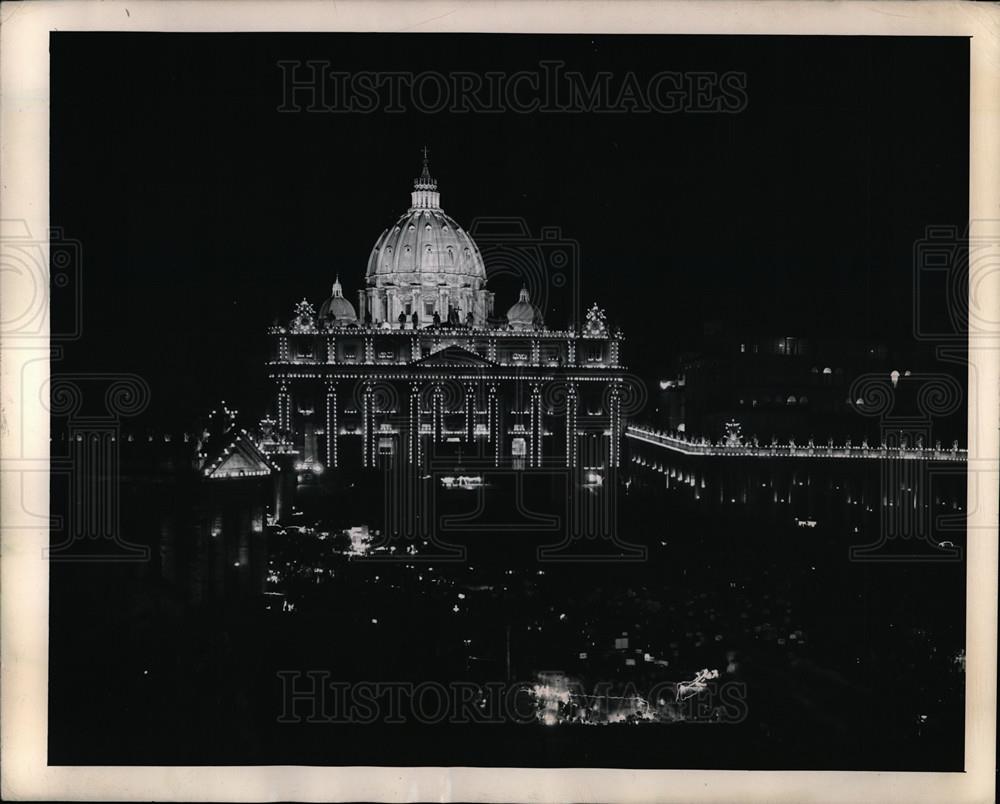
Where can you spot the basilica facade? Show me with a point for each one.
(422, 368)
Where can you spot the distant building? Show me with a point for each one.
(784, 386)
(201, 502)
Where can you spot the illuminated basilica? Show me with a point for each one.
(422, 367)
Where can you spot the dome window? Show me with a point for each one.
(427, 228)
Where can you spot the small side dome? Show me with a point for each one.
(524, 315)
(337, 310)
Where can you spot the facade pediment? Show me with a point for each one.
(241, 458)
(453, 356)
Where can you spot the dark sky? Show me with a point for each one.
(204, 213)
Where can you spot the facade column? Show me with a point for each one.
(537, 428)
(614, 417)
(470, 414)
(414, 426)
(391, 306)
(493, 423)
(438, 413)
(284, 408)
(331, 424)
(571, 432)
(366, 424)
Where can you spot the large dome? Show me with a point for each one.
(426, 247)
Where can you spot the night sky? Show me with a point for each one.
(204, 213)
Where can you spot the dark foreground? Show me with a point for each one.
(822, 662)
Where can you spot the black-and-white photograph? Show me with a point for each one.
(488, 400)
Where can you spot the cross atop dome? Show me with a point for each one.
(425, 181)
(425, 193)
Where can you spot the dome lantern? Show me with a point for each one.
(425, 193)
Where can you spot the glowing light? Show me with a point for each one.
(360, 541)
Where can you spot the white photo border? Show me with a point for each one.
(24, 440)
